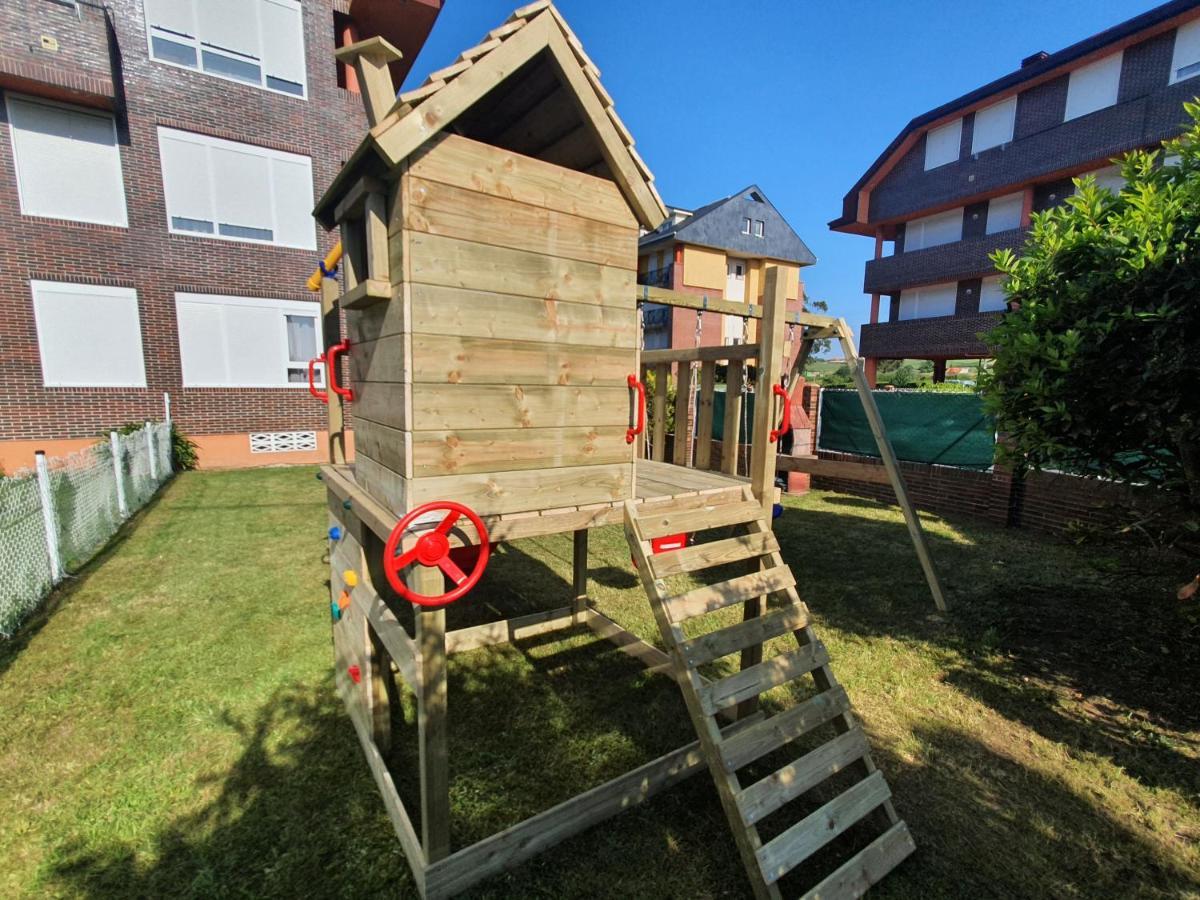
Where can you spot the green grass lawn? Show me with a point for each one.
(171, 729)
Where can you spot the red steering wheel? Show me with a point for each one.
(433, 549)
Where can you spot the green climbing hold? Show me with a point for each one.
(345, 504)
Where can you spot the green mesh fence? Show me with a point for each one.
(945, 429)
(718, 426)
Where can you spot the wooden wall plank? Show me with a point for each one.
(485, 314)
(471, 451)
(496, 493)
(452, 407)
(386, 486)
(460, 213)
(455, 160)
(376, 321)
(446, 359)
(434, 259)
(388, 446)
(380, 401)
(379, 361)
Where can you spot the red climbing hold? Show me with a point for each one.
(355, 674)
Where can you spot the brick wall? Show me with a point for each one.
(326, 127)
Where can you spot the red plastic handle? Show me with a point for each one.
(785, 424)
(631, 433)
(433, 549)
(331, 367)
(323, 396)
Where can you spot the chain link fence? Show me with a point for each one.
(57, 515)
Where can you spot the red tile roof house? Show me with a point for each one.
(159, 163)
(961, 181)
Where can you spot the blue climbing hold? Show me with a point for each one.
(335, 611)
(776, 510)
(335, 533)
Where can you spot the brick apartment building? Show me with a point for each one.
(158, 167)
(961, 181)
(722, 250)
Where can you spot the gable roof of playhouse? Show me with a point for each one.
(529, 87)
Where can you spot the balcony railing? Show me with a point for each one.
(663, 277)
(946, 262)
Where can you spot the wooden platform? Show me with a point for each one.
(655, 483)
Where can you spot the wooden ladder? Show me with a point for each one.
(746, 807)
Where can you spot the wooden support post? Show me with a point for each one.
(579, 572)
(370, 60)
(683, 409)
(762, 451)
(658, 447)
(431, 716)
(331, 333)
(704, 415)
(888, 454)
(731, 436)
(640, 447)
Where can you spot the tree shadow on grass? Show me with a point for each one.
(1070, 642)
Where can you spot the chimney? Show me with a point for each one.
(1034, 58)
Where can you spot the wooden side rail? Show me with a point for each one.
(666, 297)
(835, 468)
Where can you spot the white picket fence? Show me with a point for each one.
(55, 516)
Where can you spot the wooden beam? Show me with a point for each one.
(683, 413)
(835, 468)
(370, 59)
(666, 297)
(701, 354)
(331, 333)
(431, 716)
(890, 463)
(658, 443)
(490, 634)
(647, 654)
(770, 370)
(730, 446)
(704, 416)
(579, 574)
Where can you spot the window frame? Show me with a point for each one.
(1175, 77)
(101, 290)
(200, 47)
(209, 142)
(284, 308)
(1119, 57)
(9, 97)
(760, 228)
(747, 224)
(956, 124)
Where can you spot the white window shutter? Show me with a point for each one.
(283, 40)
(932, 231)
(1004, 213)
(294, 202)
(925, 302)
(241, 184)
(1093, 86)
(257, 345)
(991, 295)
(88, 335)
(230, 25)
(68, 164)
(994, 125)
(201, 343)
(186, 176)
(942, 145)
(173, 15)
(1187, 51)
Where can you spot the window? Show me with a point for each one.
(246, 341)
(1109, 177)
(927, 302)
(1185, 61)
(942, 145)
(68, 165)
(1004, 213)
(759, 228)
(88, 335)
(994, 125)
(258, 42)
(745, 226)
(236, 191)
(991, 295)
(1093, 87)
(932, 231)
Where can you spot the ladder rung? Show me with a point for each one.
(867, 867)
(783, 727)
(714, 553)
(764, 797)
(810, 834)
(758, 630)
(767, 674)
(712, 597)
(652, 526)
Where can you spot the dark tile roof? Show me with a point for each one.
(719, 225)
(1037, 64)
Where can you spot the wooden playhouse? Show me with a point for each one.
(492, 369)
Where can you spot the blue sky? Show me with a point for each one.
(798, 97)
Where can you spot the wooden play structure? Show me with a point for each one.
(492, 367)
